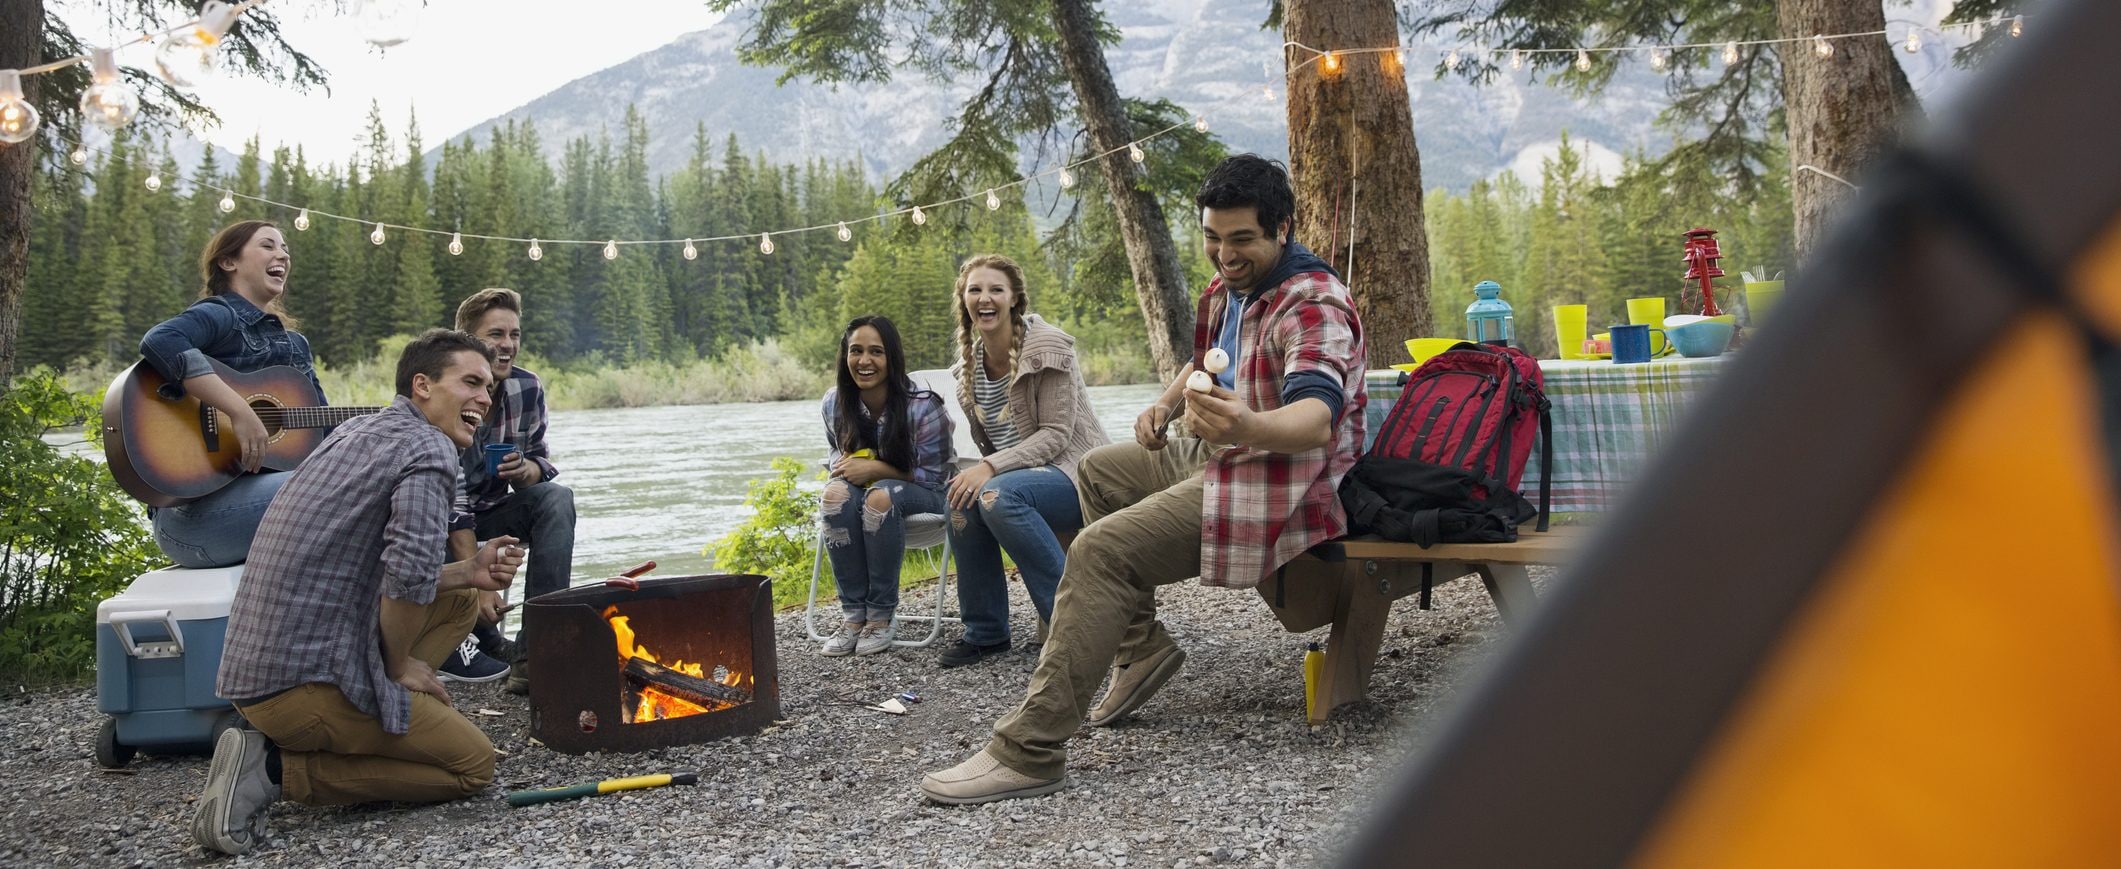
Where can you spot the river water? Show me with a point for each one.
(663, 483)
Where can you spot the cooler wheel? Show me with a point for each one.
(110, 753)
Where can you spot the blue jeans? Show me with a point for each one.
(867, 542)
(1022, 511)
(215, 531)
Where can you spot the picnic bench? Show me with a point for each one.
(1351, 583)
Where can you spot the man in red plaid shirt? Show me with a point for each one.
(1251, 488)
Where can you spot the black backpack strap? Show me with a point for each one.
(1546, 461)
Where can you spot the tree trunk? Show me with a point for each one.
(1159, 283)
(1356, 170)
(21, 45)
(1844, 109)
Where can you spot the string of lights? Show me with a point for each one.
(108, 106)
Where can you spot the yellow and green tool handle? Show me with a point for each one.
(607, 786)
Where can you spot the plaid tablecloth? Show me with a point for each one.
(1607, 419)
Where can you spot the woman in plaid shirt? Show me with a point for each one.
(890, 443)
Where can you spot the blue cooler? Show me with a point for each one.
(158, 647)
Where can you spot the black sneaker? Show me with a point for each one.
(468, 664)
(962, 653)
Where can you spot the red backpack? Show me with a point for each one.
(1445, 466)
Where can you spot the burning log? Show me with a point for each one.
(642, 674)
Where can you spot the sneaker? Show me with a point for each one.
(962, 653)
(518, 678)
(876, 637)
(468, 664)
(231, 815)
(983, 779)
(842, 644)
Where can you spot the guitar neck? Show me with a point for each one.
(311, 417)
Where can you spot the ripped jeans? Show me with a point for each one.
(865, 536)
(1022, 511)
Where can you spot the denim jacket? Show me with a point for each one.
(229, 328)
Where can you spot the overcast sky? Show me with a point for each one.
(470, 60)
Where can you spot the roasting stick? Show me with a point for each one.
(607, 786)
(627, 579)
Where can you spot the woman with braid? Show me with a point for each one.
(1023, 396)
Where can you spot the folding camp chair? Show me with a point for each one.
(928, 533)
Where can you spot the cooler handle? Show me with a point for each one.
(122, 625)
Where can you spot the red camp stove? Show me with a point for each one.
(630, 666)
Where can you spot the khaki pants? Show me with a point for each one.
(333, 754)
(1142, 515)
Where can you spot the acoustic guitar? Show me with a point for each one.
(168, 452)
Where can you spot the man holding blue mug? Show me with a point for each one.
(509, 453)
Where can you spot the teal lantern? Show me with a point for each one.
(1488, 319)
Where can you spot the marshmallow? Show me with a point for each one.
(1200, 381)
(1216, 360)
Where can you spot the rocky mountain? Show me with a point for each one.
(1207, 55)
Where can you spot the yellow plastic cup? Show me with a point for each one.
(1760, 298)
(1571, 325)
(1423, 348)
(1647, 312)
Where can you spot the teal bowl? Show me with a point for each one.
(1701, 338)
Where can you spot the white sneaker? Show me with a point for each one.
(876, 637)
(842, 644)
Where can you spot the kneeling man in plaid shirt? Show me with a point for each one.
(1253, 487)
(347, 607)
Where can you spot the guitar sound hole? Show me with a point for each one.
(272, 414)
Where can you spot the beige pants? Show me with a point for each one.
(333, 754)
(1141, 510)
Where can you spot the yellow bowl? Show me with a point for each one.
(1423, 348)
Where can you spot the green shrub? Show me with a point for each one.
(779, 538)
(69, 537)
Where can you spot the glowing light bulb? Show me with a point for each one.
(765, 244)
(993, 202)
(1730, 53)
(1200, 123)
(107, 104)
(154, 181)
(2017, 26)
(18, 119)
(1135, 153)
(1914, 40)
(1583, 60)
(302, 220)
(1329, 63)
(844, 233)
(456, 244)
(920, 218)
(691, 253)
(1269, 91)
(385, 23)
(536, 252)
(79, 157)
(375, 236)
(1657, 59)
(611, 249)
(193, 54)
(1451, 60)
(1821, 47)
(1517, 58)
(1067, 178)
(1974, 31)
(227, 203)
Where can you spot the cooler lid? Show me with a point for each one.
(187, 594)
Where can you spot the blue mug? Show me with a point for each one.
(495, 454)
(1631, 343)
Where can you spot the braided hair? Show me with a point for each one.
(968, 343)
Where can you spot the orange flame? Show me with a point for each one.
(656, 704)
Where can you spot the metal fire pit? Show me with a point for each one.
(577, 693)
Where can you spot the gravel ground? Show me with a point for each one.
(1219, 768)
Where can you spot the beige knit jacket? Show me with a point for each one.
(1047, 404)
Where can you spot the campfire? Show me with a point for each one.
(655, 691)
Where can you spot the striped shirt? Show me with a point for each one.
(992, 398)
(364, 517)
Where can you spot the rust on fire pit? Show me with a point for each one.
(673, 662)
